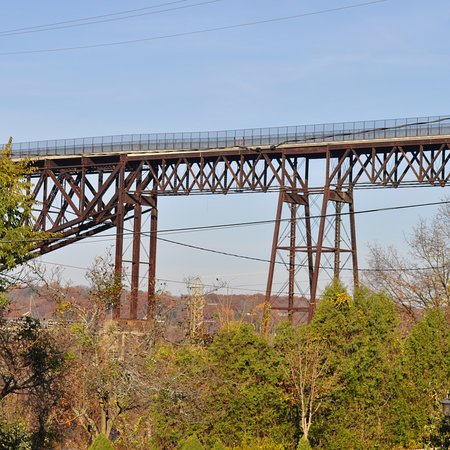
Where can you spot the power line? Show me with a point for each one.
(114, 19)
(194, 32)
(82, 19)
(318, 216)
(165, 280)
(241, 224)
(242, 257)
(219, 252)
(236, 255)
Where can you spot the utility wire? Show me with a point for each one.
(235, 255)
(241, 224)
(164, 280)
(194, 32)
(319, 216)
(114, 19)
(82, 19)
(204, 249)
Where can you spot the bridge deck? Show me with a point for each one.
(265, 138)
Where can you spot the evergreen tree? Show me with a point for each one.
(101, 442)
(303, 444)
(181, 406)
(259, 444)
(218, 445)
(192, 443)
(365, 350)
(427, 374)
(248, 396)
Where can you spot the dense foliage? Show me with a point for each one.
(348, 380)
(101, 443)
(31, 361)
(16, 236)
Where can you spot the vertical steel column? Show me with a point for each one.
(309, 243)
(353, 239)
(273, 256)
(292, 252)
(318, 252)
(82, 184)
(337, 240)
(320, 236)
(136, 257)
(152, 260)
(45, 200)
(28, 196)
(135, 261)
(120, 210)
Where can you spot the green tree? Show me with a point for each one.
(218, 445)
(14, 437)
(259, 444)
(249, 399)
(30, 359)
(191, 443)
(182, 385)
(101, 442)
(230, 391)
(17, 237)
(427, 374)
(31, 367)
(365, 350)
(303, 444)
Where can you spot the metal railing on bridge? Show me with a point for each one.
(253, 137)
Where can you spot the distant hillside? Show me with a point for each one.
(170, 310)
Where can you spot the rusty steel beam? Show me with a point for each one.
(119, 222)
(292, 248)
(135, 262)
(151, 292)
(273, 258)
(353, 243)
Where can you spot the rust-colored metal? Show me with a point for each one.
(273, 257)
(337, 240)
(353, 242)
(81, 196)
(136, 261)
(119, 223)
(292, 268)
(151, 293)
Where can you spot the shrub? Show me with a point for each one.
(192, 443)
(303, 444)
(101, 443)
(14, 436)
(218, 446)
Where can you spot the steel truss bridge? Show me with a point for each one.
(86, 186)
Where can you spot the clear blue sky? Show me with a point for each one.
(385, 60)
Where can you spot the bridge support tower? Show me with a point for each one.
(313, 243)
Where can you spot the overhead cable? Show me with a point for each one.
(82, 19)
(193, 32)
(241, 224)
(114, 19)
